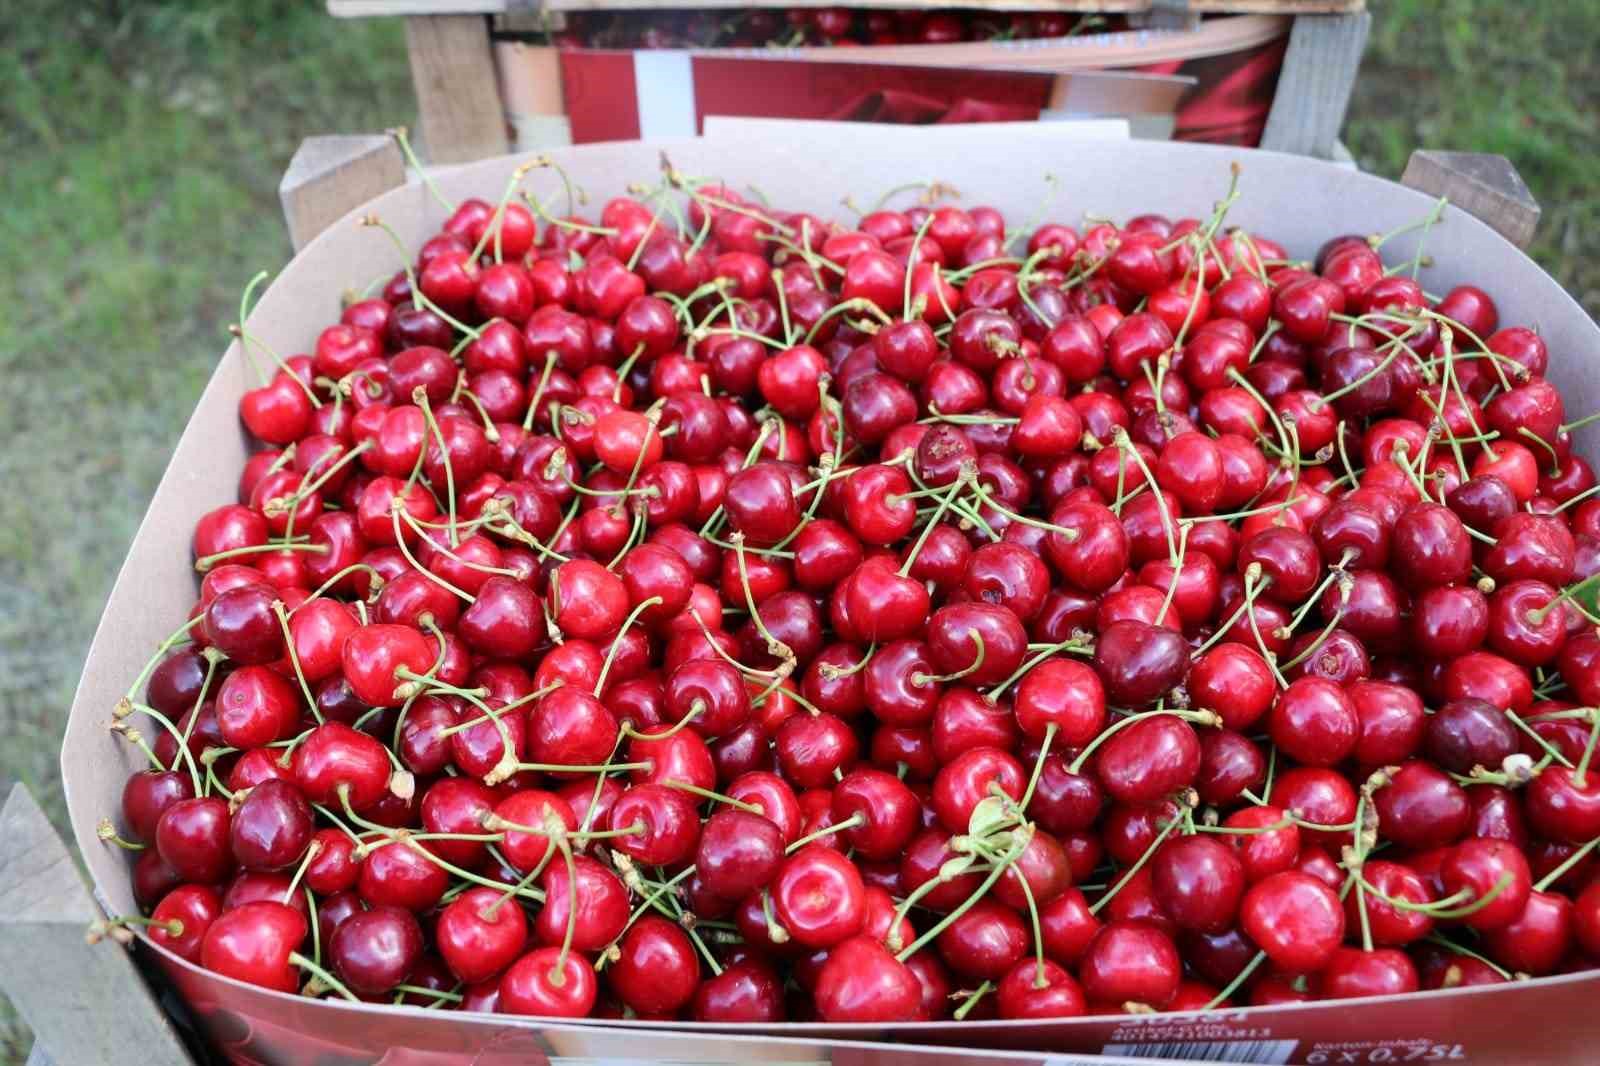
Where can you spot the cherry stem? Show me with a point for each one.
(178, 636)
(838, 827)
(1248, 830)
(395, 512)
(1465, 952)
(312, 851)
(977, 994)
(1039, 980)
(294, 660)
(1238, 981)
(920, 679)
(964, 478)
(108, 833)
(206, 562)
(1272, 415)
(616, 643)
(1038, 766)
(1208, 718)
(706, 793)
(1119, 437)
(944, 923)
(319, 974)
(1566, 864)
(913, 255)
(1045, 652)
(419, 396)
(559, 768)
(1578, 775)
(1538, 615)
(1533, 734)
(775, 646)
(1128, 875)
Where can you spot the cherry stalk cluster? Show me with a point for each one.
(713, 612)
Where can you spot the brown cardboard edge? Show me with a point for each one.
(1306, 199)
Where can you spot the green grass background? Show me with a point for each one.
(140, 150)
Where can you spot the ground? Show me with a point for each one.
(143, 144)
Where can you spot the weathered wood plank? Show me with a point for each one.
(329, 176)
(1483, 185)
(86, 1003)
(1319, 72)
(458, 98)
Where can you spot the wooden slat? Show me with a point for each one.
(331, 176)
(368, 8)
(458, 98)
(1319, 72)
(86, 1003)
(1486, 186)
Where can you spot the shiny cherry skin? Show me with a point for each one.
(657, 970)
(1295, 918)
(819, 896)
(542, 983)
(1131, 962)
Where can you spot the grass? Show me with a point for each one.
(1494, 76)
(142, 144)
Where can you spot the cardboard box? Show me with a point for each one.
(1295, 200)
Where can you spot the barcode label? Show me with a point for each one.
(1256, 1052)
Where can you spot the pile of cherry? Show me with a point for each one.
(829, 26)
(704, 611)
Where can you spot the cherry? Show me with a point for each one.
(1430, 547)
(738, 853)
(862, 982)
(1021, 994)
(1351, 972)
(1469, 732)
(241, 624)
(1198, 881)
(549, 982)
(1138, 662)
(1538, 940)
(1474, 869)
(400, 873)
(192, 838)
(985, 941)
(271, 827)
(256, 943)
(1152, 758)
(1314, 722)
(968, 779)
(1130, 962)
(1564, 804)
(373, 951)
(1295, 918)
(147, 795)
(1233, 681)
(819, 896)
(601, 905)
(1065, 694)
(656, 971)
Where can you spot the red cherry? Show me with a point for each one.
(1130, 962)
(819, 896)
(547, 982)
(862, 982)
(254, 943)
(1295, 918)
(657, 970)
